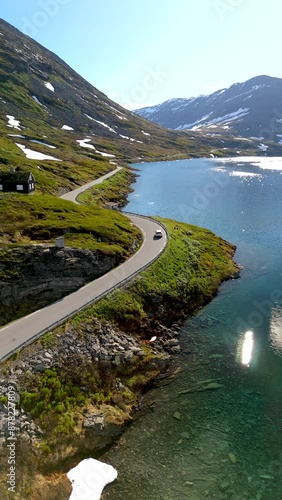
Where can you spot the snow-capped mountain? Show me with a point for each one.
(44, 102)
(249, 109)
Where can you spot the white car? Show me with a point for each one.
(158, 233)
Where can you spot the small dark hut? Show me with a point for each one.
(17, 181)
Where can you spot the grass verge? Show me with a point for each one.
(114, 189)
(40, 219)
(184, 278)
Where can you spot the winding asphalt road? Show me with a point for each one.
(72, 195)
(23, 331)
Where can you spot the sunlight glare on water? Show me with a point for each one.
(225, 443)
(247, 348)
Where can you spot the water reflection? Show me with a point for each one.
(276, 329)
(247, 348)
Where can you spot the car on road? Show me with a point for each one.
(158, 233)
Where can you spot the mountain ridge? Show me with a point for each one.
(35, 84)
(43, 99)
(249, 109)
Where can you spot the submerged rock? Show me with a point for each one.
(232, 458)
(177, 415)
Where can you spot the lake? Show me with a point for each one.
(224, 443)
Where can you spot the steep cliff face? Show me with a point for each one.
(36, 275)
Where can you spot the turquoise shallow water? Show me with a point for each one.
(224, 443)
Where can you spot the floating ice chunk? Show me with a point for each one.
(244, 174)
(89, 478)
(49, 86)
(34, 155)
(266, 163)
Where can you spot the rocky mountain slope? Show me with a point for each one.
(251, 109)
(43, 99)
(48, 108)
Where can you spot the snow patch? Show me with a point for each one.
(101, 123)
(105, 154)
(238, 95)
(66, 127)
(193, 124)
(220, 91)
(37, 100)
(263, 147)
(83, 144)
(227, 119)
(43, 143)
(121, 117)
(34, 155)
(13, 123)
(256, 87)
(145, 133)
(49, 86)
(149, 110)
(231, 116)
(130, 139)
(118, 113)
(89, 478)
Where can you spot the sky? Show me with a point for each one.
(143, 52)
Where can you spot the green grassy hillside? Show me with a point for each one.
(186, 276)
(40, 219)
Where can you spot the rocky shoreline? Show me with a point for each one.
(95, 343)
(77, 387)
